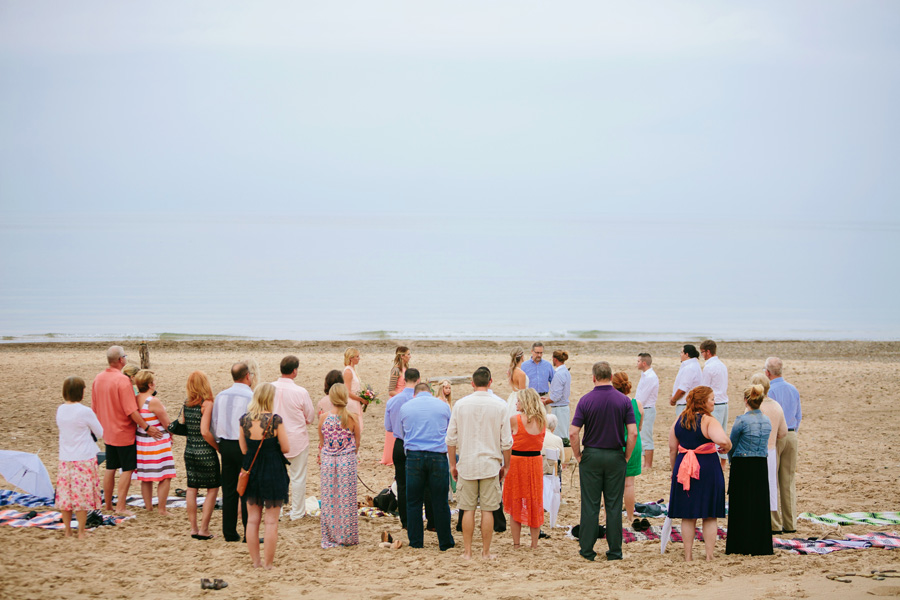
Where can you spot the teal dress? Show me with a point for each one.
(634, 465)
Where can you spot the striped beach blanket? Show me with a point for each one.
(8, 497)
(653, 534)
(850, 542)
(50, 519)
(172, 502)
(854, 518)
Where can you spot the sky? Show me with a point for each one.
(670, 111)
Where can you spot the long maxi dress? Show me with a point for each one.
(340, 517)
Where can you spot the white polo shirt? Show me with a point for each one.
(647, 389)
(715, 375)
(689, 377)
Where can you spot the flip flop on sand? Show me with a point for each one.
(215, 584)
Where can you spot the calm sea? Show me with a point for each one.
(70, 277)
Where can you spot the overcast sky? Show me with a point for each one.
(670, 110)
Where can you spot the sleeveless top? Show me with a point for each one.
(354, 384)
(338, 441)
(528, 442)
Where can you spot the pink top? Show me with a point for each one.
(324, 407)
(690, 466)
(354, 385)
(113, 401)
(294, 406)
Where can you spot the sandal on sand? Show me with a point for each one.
(636, 524)
(645, 524)
(386, 537)
(197, 536)
(180, 493)
(215, 584)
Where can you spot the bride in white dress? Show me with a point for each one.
(517, 379)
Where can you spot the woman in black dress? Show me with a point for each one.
(264, 437)
(201, 458)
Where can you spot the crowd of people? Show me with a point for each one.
(500, 456)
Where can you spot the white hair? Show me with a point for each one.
(774, 366)
(114, 353)
(552, 422)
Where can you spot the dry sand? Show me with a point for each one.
(849, 461)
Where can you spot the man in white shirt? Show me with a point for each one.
(230, 405)
(689, 374)
(646, 395)
(715, 375)
(481, 432)
(295, 407)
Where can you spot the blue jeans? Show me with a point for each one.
(428, 470)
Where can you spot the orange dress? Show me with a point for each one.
(523, 488)
(387, 456)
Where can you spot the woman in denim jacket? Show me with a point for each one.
(749, 526)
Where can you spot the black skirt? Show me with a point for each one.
(749, 521)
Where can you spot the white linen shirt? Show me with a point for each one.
(481, 433)
(689, 376)
(294, 406)
(647, 389)
(230, 405)
(715, 375)
(76, 422)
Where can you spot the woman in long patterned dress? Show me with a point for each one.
(264, 442)
(339, 437)
(155, 462)
(201, 458)
(395, 385)
(523, 488)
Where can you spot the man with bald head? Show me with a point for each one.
(114, 403)
(786, 395)
(227, 409)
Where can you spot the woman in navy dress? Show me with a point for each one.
(698, 485)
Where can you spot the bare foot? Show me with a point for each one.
(164, 513)
(467, 556)
(269, 567)
(125, 513)
(84, 534)
(257, 565)
(488, 556)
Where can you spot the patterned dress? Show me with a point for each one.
(154, 457)
(201, 461)
(268, 482)
(340, 516)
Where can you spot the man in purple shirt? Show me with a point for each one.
(605, 414)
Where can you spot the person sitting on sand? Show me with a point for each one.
(78, 476)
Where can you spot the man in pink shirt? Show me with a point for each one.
(114, 403)
(295, 407)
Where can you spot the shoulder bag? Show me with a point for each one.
(244, 476)
(178, 427)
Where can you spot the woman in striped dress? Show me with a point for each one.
(154, 457)
(338, 446)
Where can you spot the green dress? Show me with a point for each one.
(634, 465)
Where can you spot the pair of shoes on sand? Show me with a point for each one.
(387, 541)
(600, 534)
(640, 525)
(215, 584)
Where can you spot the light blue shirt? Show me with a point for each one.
(788, 397)
(560, 387)
(539, 375)
(424, 421)
(750, 435)
(227, 410)
(392, 411)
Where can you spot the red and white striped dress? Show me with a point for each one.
(154, 457)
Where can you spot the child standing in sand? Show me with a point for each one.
(78, 477)
(155, 462)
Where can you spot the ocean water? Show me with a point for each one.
(497, 276)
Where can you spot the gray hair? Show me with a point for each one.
(114, 354)
(552, 422)
(774, 366)
(602, 371)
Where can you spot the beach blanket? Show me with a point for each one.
(854, 518)
(850, 542)
(653, 534)
(8, 497)
(172, 502)
(649, 510)
(52, 519)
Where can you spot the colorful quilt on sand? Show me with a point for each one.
(850, 542)
(8, 497)
(854, 518)
(52, 519)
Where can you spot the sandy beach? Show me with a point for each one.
(849, 461)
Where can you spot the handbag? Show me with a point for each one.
(176, 427)
(244, 476)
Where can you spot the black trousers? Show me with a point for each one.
(232, 460)
(399, 458)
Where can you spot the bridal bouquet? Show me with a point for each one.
(368, 394)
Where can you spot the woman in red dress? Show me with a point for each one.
(523, 488)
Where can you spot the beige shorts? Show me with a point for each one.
(470, 491)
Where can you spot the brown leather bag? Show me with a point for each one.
(244, 476)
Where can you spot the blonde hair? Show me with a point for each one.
(263, 401)
(760, 379)
(338, 396)
(398, 356)
(131, 370)
(531, 407)
(348, 354)
(439, 394)
(754, 396)
(143, 379)
(253, 367)
(515, 357)
(198, 389)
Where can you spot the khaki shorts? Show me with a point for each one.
(470, 491)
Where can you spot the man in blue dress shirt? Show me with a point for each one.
(785, 394)
(539, 371)
(424, 420)
(392, 424)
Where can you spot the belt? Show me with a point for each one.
(721, 403)
(526, 452)
(791, 429)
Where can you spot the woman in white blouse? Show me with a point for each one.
(78, 477)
